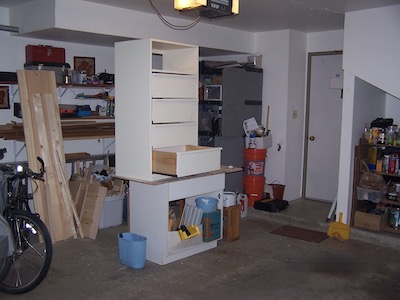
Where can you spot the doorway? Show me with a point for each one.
(323, 126)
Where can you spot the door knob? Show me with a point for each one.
(312, 138)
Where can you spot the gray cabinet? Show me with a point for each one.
(241, 99)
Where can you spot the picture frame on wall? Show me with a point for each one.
(85, 64)
(4, 97)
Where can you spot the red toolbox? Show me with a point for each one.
(44, 54)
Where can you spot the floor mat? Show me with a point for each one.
(301, 233)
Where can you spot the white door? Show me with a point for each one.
(324, 126)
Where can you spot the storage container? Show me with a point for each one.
(59, 69)
(111, 215)
(261, 142)
(186, 160)
(132, 250)
(368, 221)
(211, 226)
(370, 195)
(207, 204)
(44, 54)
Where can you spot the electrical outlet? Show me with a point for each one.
(294, 114)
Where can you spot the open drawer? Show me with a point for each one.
(186, 160)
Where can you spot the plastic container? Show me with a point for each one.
(244, 203)
(229, 199)
(207, 204)
(132, 250)
(254, 188)
(254, 162)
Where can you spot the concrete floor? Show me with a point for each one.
(260, 265)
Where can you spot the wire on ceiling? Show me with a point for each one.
(173, 26)
(324, 9)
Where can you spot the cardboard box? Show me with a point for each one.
(368, 221)
(261, 142)
(231, 222)
(111, 215)
(211, 225)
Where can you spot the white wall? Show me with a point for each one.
(325, 41)
(370, 53)
(295, 125)
(371, 45)
(274, 47)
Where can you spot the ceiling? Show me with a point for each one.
(259, 15)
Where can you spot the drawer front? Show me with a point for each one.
(197, 186)
(174, 110)
(169, 135)
(174, 86)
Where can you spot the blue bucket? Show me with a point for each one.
(207, 204)
(132, 250)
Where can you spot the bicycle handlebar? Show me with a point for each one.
(28, 173)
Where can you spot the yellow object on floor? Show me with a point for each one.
(188, 232)
(339, 230)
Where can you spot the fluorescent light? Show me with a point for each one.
(188, 4)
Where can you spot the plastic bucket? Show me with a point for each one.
(229, 199)
(132, 250)
(278, 190)
(254, 162)
(254, 188)
(207, 204)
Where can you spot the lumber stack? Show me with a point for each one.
(43, 137)
(70, 130)
(89, 196)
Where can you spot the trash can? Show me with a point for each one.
(132, 249)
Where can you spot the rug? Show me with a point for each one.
(301, 233)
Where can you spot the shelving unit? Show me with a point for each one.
(378, 222)
(157, 108)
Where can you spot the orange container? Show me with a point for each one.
(254, 188)
(254, 162)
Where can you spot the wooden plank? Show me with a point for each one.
(32, 136)
(92, 208)
(42, 130)
(56, 208)
(53, 126)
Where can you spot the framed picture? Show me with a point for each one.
(85, 64)
(4, 98)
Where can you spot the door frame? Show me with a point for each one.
(307, 114)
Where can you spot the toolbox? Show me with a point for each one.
(61, 70)
(44, 54)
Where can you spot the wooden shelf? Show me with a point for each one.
(107, 86)
(79, 130)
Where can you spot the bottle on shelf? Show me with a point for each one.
(391, 138)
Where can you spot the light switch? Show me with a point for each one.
(294, 114)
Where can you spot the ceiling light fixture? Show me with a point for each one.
(209, 8)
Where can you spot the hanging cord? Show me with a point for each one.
(176, 27)
(323, 9)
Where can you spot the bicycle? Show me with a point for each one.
(29, 256)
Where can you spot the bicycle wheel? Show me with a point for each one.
(28, 266)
